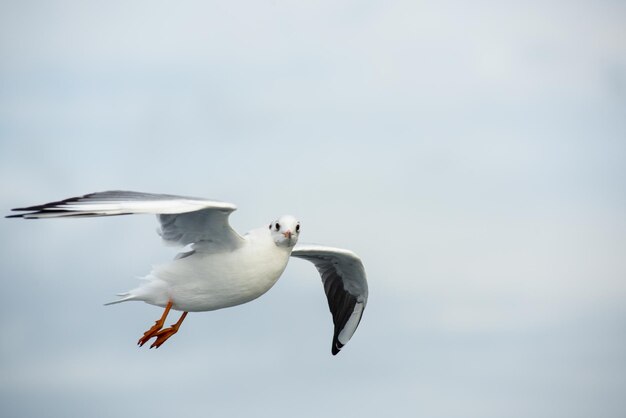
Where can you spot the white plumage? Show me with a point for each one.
(222, 268)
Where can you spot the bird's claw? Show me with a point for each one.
(163, 336)
(150, 333)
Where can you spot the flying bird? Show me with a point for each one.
(219, 268)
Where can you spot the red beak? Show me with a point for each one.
(287, 234)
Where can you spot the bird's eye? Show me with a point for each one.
(270, 226)
(277, 226)
(298, 228)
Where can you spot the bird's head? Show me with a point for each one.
(285, 231)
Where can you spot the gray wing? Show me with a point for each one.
(184, 220)
(345, 285)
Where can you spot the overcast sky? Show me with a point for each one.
(472, 153)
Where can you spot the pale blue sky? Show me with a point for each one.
(473, 155)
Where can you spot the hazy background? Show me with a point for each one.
(473, 153)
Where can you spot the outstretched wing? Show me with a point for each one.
(184, 220)
(345, 285)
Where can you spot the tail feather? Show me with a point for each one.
(124, 297)
(154, 291)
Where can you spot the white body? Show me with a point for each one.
(208, 280)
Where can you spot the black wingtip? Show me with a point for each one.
(47, 207)
(16, 215)
(31, 212)
(336, 348)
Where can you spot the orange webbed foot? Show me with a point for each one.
(161, 334)
(156, 327)
(166, 333)
(150, 333)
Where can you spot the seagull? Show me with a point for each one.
(219, 268)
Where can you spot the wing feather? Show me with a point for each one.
(184, 220)
(345, 285)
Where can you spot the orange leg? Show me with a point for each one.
(166, 333)
(156, 327)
